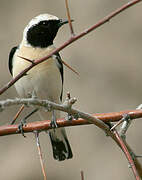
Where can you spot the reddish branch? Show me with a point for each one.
(45, 125)
(69, 41)
(127, 154)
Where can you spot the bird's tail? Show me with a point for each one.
(60, 144)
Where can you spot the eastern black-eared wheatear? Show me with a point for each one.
(46, 79)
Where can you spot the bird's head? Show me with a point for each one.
(41, 30)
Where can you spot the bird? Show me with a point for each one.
(44, 80)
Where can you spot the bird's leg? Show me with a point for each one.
(20, 127)
(53, 123)
(23, 122)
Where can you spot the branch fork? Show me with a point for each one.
(69, 101)
(68, 105)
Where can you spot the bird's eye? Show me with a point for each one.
(44, 22)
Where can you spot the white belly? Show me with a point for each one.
(44, 80)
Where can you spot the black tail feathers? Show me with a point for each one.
(60, 144)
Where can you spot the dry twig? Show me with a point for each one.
(69, 18)
(82, 175)
(18, 114)
(40, 154)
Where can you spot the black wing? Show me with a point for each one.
(10, 62)
(60, 66)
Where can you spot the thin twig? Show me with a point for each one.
(26, 59)
(82, 175)
(127, 154)
(18, 113)
(126, 117)
(69, 41)
(139, 156)
(40, 154)
(67, 65)
(69, 18)
(117, 124)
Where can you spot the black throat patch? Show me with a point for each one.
(43, 33)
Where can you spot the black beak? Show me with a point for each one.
(62, 22)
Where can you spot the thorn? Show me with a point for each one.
(68, 104)
(17, 114)
(125, 117)
(69, 101)
(68, 95)
(117, 124)
(68, 66)
(25, 74)
(139, 107)
(72, 101)
(138, 156)
(31, 61)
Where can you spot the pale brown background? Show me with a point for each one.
(109, 61)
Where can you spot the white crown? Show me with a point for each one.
(36, 20)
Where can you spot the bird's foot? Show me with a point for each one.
(53, 123)
(20, 127)
(69, 117)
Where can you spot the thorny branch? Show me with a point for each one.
(136, 166)
(98, 119)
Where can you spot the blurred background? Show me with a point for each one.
(110, 66)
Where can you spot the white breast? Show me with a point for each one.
(44, 79)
